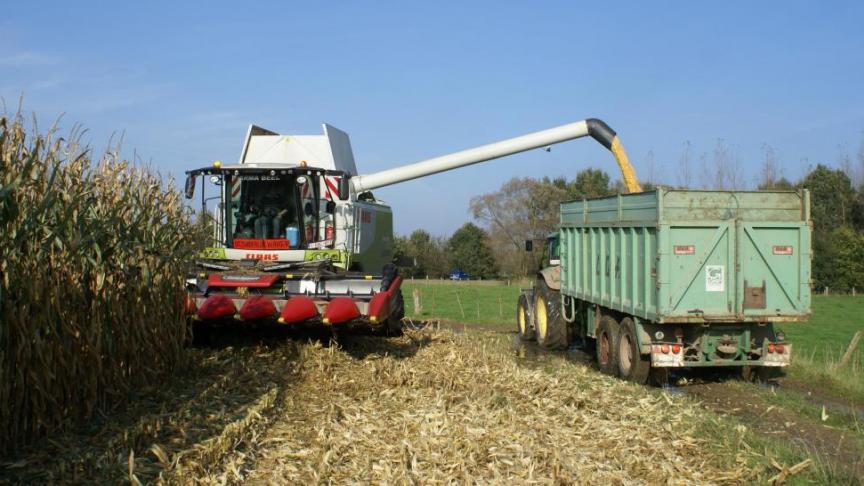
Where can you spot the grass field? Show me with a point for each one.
(819, 344)
(484, 302)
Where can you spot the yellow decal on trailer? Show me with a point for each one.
(213, 254)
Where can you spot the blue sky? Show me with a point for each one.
(410, 80)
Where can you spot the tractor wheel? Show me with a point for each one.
(632, 366)
(607, 345)
(551, 329)
(525, 319)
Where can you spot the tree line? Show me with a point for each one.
(527, 208)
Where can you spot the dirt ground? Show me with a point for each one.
(432, 406)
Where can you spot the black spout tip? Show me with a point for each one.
(600, 131)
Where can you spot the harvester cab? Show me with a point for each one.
(299, 237)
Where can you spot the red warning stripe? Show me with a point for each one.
(332, 190)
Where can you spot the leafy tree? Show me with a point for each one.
(469, 251)
(590, 183)
(427, 251)
(846, 258)
(832, 201)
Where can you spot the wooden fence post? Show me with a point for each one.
(418, 305)
(847, 356)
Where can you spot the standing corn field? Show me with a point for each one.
(92, 260)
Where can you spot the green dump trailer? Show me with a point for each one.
(675, 279)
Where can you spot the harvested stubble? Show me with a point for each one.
(92, 261)
(448, 408)
(430, 407)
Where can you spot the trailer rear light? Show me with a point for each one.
(771, 347)
(216, 307)
(664, 348)
(298, 309)
(779, 347)
(257, 307)
(676, 348)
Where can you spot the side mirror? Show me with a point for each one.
(344, 187)
(529, 245)
(190, 186)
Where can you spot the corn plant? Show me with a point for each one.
(93, 255)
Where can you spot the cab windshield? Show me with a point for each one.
(275, 211)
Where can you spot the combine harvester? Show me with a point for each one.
(301, 239)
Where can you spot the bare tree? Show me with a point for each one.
(770, 169)
(685, 173)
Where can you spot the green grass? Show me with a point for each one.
(486, 302)
(819, 344)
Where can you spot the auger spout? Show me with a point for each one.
(592, 127)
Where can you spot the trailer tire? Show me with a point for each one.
(632, 365)
(525, 319)
(551, 328)
(607, 345)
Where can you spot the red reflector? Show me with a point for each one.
(771, 347)
(298, 309)
(257, 307)
(665, 348)
(779, 348)
(261, 244)
(676, 348)
(684, 249)
(341, 309)
(782, 250)
(216, 307)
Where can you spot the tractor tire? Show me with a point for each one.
(551, 329)
(632, 365)
(607, 346)
(525, 319)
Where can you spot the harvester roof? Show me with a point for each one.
(330, 151)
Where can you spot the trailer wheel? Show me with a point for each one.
(551, 329)
(607, 355)
(525, 319)
(632, 366)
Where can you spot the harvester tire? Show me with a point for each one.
(393, 326)
(525, 319)
(607, 346)
(551, 329)
(632, 365)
